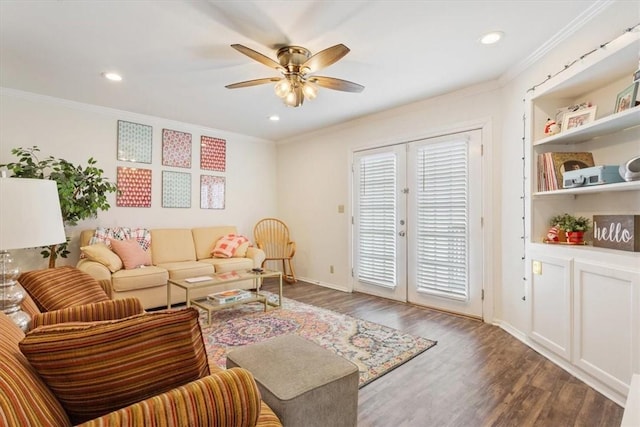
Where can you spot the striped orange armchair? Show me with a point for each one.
(135, 369)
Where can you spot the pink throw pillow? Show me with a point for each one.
(227, 245)
(131, 254)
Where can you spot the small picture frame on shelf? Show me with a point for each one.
(627, 98)
(578, 118)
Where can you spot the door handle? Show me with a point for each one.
(401, 234)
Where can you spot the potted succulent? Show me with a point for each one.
(573, 226)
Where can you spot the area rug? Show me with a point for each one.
(374, 348)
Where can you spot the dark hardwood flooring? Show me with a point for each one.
(477, 374)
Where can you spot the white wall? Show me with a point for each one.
(75, 132)
(314, 173)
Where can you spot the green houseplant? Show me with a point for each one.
(82, 190)
(573, 226)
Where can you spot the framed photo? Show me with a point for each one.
(134, 142)
(176, 148)
(627, 98)
(578, 118)
(176, 189)
(212, 192)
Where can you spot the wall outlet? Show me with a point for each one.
(331, 269)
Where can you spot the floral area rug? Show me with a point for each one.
(374, 348)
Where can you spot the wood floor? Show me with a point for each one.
(477, 374)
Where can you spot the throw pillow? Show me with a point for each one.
(116, 363)
(241, 252)
(131, 254)
(227, 245)
(61, 287)
(101, 253)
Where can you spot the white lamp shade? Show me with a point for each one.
(30, 214)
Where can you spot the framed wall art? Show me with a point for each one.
(627, 98)
(176, 148)
(578, 118)
(134, 187)
(176, 189)
(213, 154)
(134, 142)
(212, 192)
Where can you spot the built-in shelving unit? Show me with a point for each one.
(578, 296)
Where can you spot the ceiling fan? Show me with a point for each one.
(297, 65)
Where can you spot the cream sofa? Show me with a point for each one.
(176, 253)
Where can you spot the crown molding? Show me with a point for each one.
(569, 30)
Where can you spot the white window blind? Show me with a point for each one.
(377, 220)
(442, 219)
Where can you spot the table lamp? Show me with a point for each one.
(30, 216)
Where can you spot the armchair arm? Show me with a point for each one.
(226, 398)
(104, 310)
(257, 255)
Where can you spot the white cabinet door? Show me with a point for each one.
(550, 304)
(607, 323)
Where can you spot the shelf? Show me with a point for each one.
(603, 188)
(607, 125)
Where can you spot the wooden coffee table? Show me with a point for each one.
(219, 279)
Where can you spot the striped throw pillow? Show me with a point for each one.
(103, 310)
(61, 287)
(114, 364)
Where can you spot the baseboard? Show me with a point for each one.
(324, 284)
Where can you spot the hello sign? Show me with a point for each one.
(617, 232)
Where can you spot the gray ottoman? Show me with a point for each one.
(305, 384)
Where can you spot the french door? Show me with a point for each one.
(417, 224)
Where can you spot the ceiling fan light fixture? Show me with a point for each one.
(295, 98)
(309, 90)
(283, 87)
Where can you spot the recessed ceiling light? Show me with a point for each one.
(112, 76)
(274, 118)
(492, 37)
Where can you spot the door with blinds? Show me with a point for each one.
(379, 262)
(433, 218)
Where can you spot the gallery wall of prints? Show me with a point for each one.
(135, 145)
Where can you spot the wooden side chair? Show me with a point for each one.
(272, 236)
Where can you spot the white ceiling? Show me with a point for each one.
(175, 55)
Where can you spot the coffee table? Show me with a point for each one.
(216, 280)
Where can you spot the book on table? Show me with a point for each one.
(231, 295)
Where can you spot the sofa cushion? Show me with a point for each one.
(139, 278)
(224, 265)
(241, 251)
(205, 238)
(131, 254)
(114, 364)
(185, 269)
(226, 245)
(25, 399)
(100, 252)
(61, 287)
(172, 245)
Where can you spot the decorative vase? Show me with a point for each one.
(575, 237)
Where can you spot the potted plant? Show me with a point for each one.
(573, 226)
(82, 190)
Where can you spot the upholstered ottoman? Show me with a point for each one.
(305, 384)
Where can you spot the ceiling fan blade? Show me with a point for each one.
(257, 56)
(324, 58)
(255, 82)
(336, 84)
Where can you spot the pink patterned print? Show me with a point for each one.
(176, 148)
(134, 187)
(213, 154)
